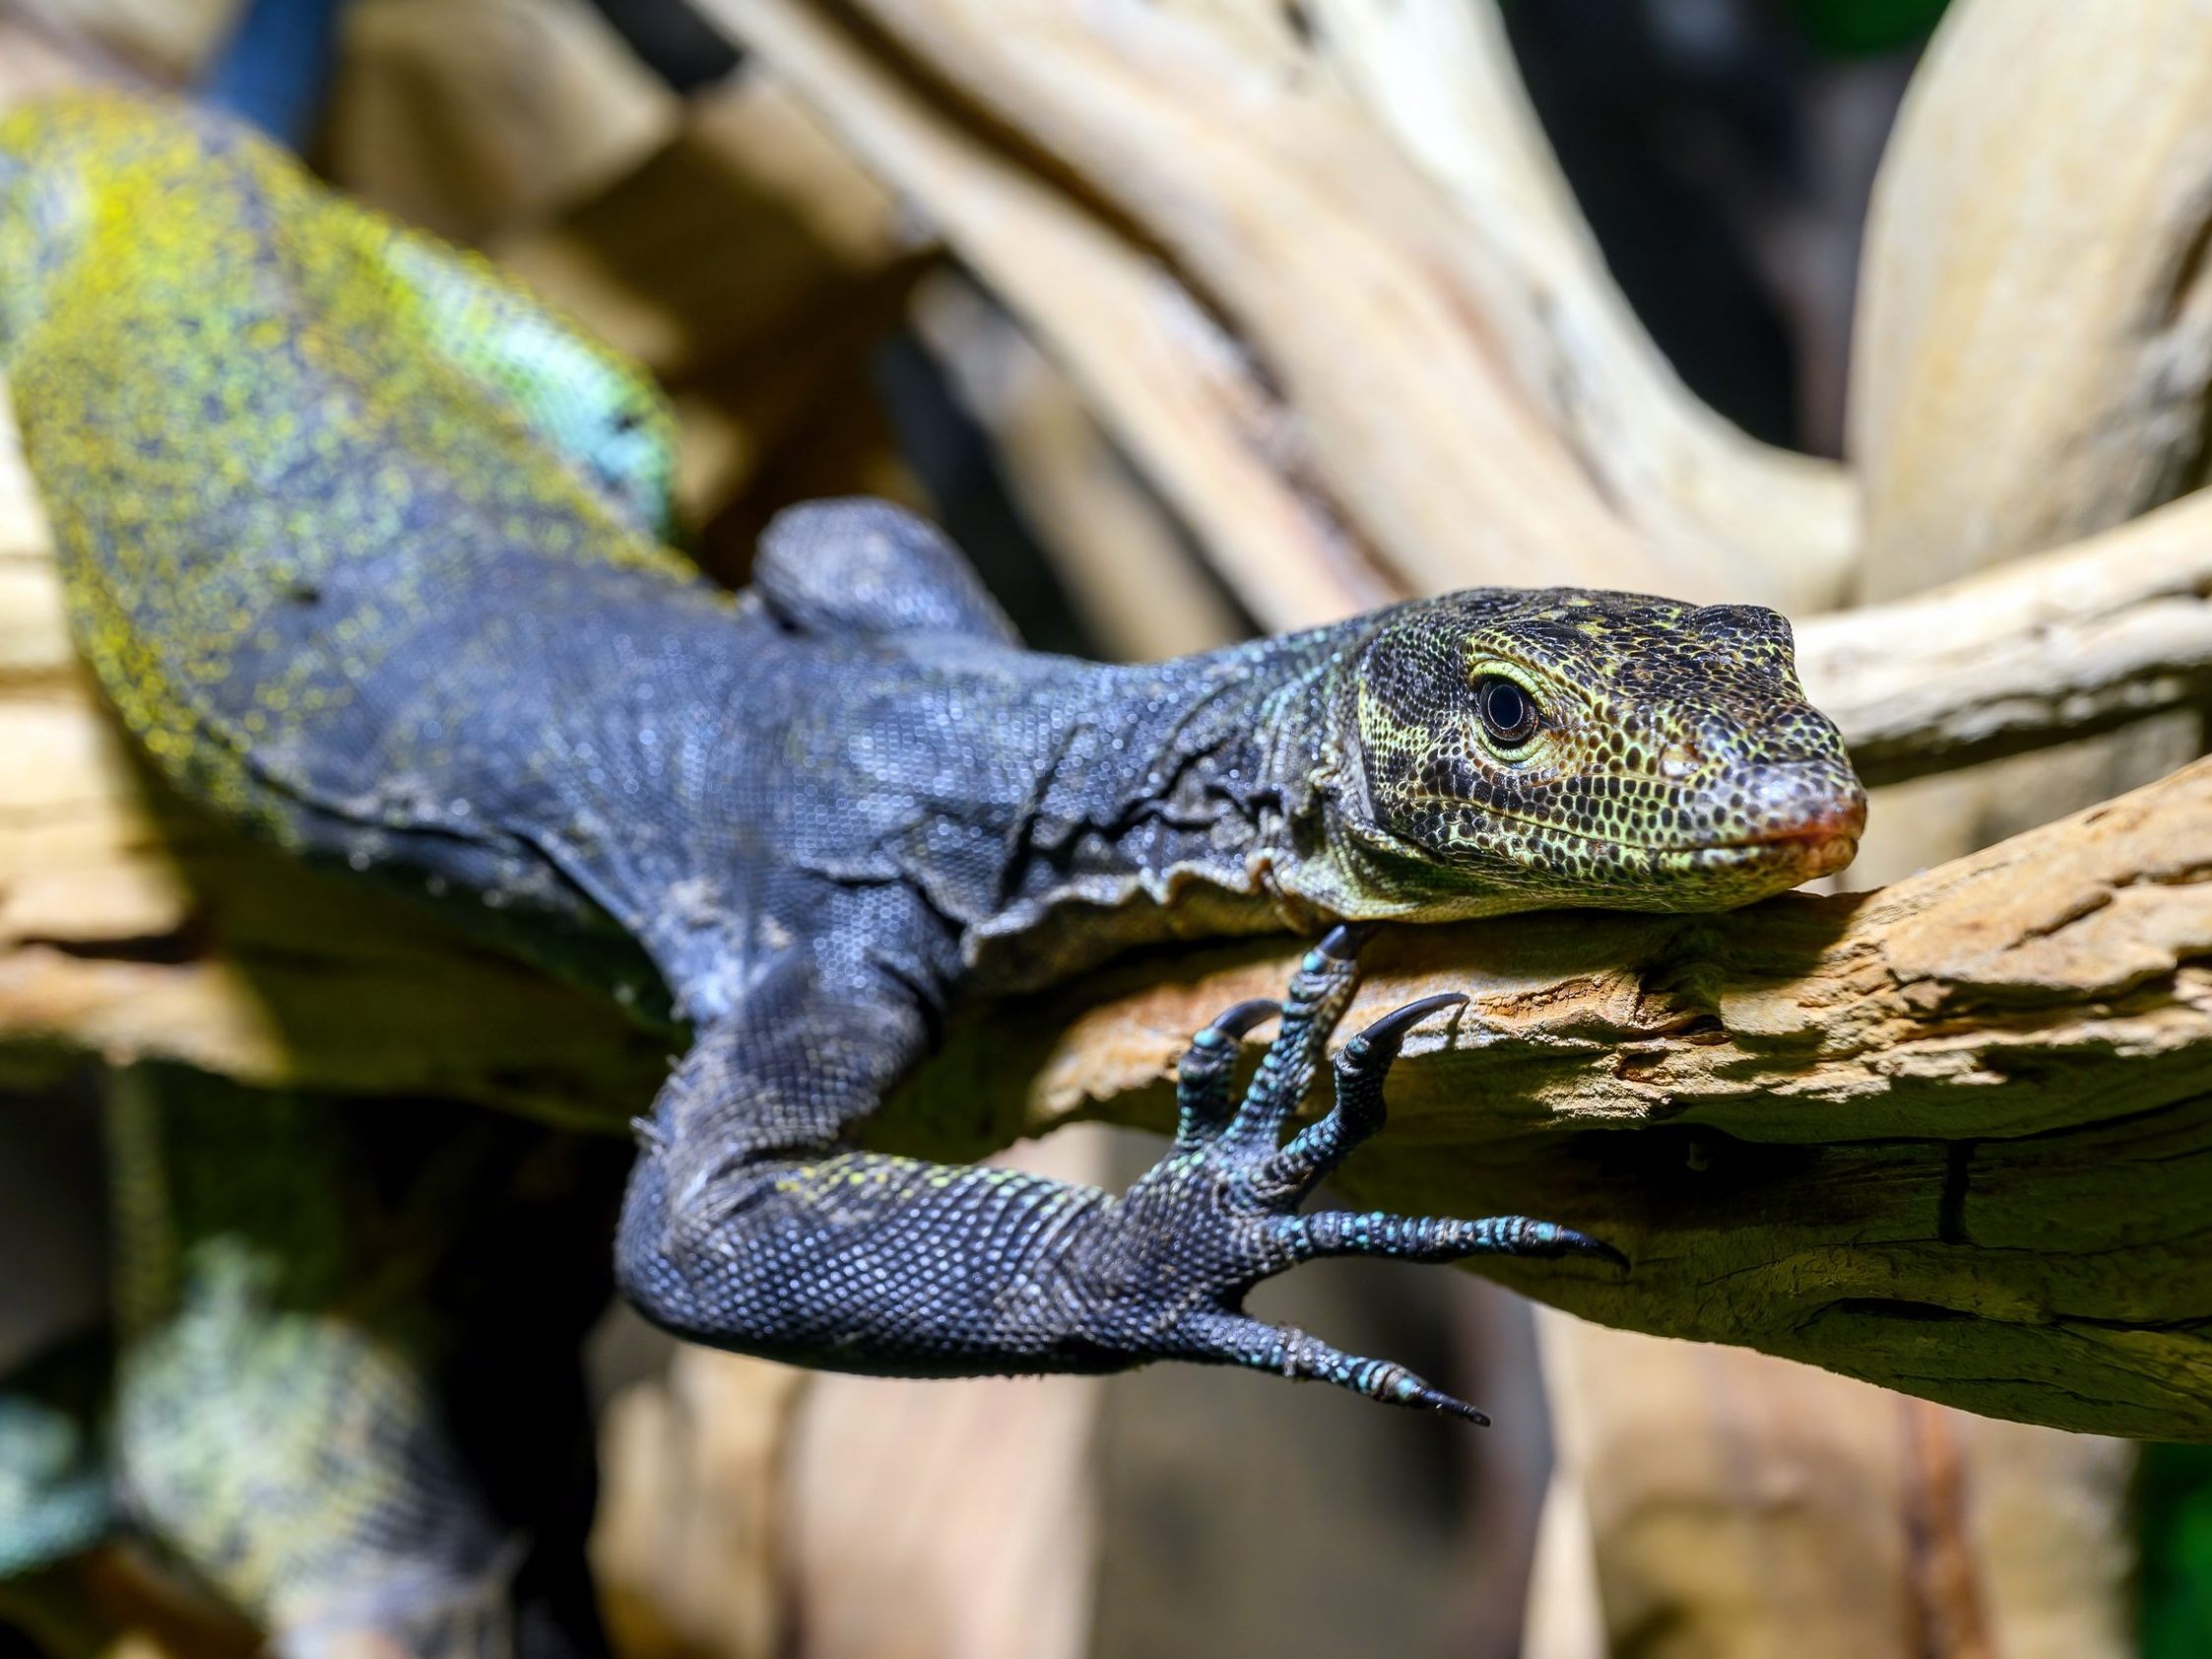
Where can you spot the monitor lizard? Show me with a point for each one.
(363, 547)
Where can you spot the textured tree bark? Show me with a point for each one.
(1794, 1105)
(1384, 323)
(1948, 1137)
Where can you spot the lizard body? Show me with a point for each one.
(346, 581)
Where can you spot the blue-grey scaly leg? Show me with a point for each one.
(752, 1223)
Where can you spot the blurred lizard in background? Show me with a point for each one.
(367, 551)
(344, 1389)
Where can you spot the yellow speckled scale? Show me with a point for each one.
(359, 542)
(163, 274)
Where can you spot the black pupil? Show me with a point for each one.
(1507, 711)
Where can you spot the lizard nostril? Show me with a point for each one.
(1805, 804)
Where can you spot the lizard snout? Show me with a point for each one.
(1813, 803)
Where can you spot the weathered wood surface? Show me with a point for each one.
(1790, 1118)
(1299, 302)
(1951, 1136)
(2033, 342)
(2059, 645)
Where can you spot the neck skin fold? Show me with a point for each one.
(1183, 800)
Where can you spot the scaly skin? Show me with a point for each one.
(352, 595)
(259, 1360)
(279, 1425)
(316, 1302)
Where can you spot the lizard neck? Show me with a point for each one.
(1176, 801)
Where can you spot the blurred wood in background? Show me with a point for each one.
(1283, 314)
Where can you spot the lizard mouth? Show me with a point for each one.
(1816, 831)
(1811, 844)
(1832, 820)
(1825, 836)
(1811, 856)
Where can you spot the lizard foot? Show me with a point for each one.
(1167, 1272)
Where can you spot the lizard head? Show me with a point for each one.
(1513, 748)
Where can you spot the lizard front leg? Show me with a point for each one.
(751, 1225)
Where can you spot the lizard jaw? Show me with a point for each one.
(1821, 839)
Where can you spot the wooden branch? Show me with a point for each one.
(2038, 650)
(1442, 83)
(2019, 380)
(1119, 552)
(413, 132)
(1179, 396)
(1950, 1137)
(2033, 343)
(1443, 403)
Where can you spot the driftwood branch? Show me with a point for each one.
(1179, 395)
(1951, 1136)
(2045, 649)
(1384, 322)
(2033, 342)
(1790, 1118)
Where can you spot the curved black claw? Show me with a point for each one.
(1386, 1035)
(1568, 1241)
(1342, 942)
(1201, 1076)
(1179, 1250)
(1290, 1351)
(1239, 1021)
(1328, 1233)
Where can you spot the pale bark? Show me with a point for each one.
(1949, 1136)
(2035, 330)
(1462, 391)
(1174, 390)
(2045, 649)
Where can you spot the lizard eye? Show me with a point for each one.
(1509, 714)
